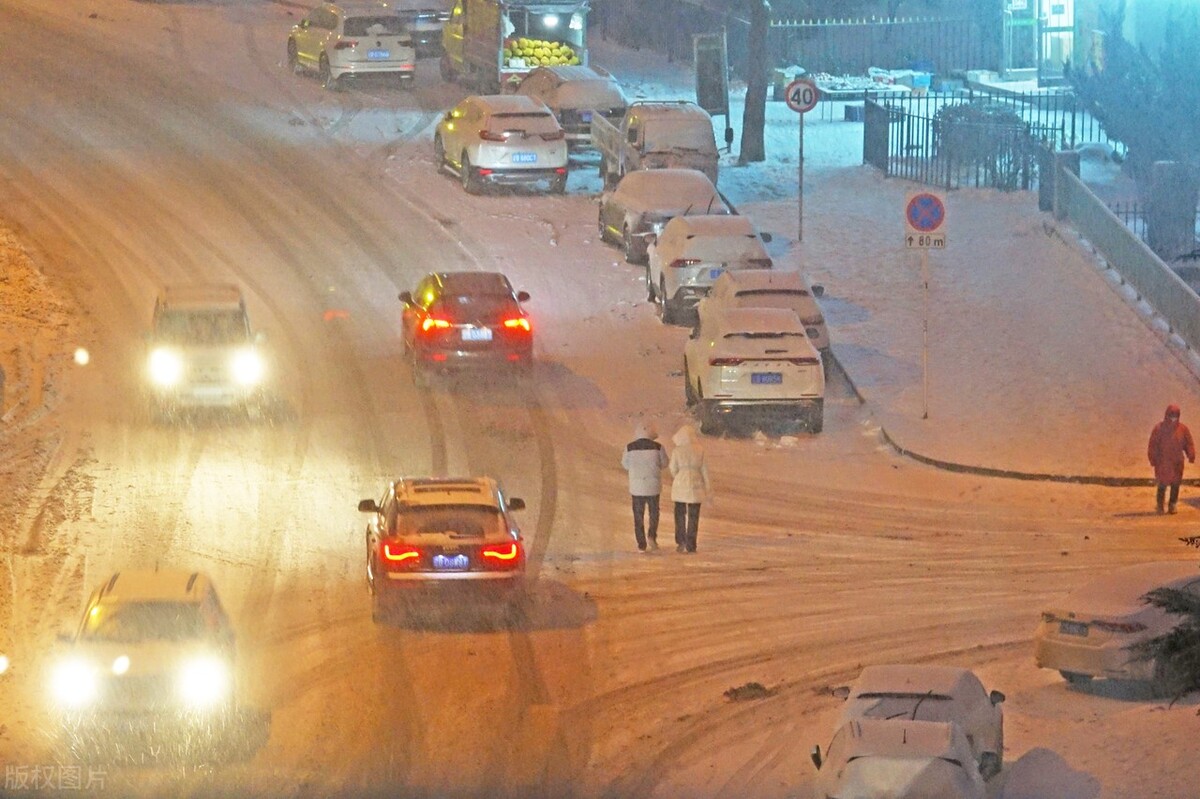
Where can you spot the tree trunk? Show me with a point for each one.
(754, 116)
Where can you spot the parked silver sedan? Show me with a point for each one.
(645, 200)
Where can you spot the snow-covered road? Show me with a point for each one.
(174, 146)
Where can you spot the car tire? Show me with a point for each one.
(651, 295)
(600, 227)
(816, 422)
(420, 373)
(469, 183)
(631, 253)
(666, 309)
(449, 74)
(1075, 678)
(325, 72)
(559, 185)
(383, 609)
(293, 57)
(990, 764)
(708, 422)
(689, 393)
(439, 154)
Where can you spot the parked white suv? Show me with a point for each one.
(775, 288)
(692, 252)
(355, 38)
(502, 139)
(755, 362)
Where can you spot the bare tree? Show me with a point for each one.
(754, 117)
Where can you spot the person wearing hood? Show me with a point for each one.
(644, 459)
(689, 486)
(1170, 442)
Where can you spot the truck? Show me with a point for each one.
(656, 134)
(492, 44)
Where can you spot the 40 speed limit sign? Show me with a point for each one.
(802, 95)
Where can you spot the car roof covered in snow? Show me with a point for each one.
(949, 681)
(902, 738)
(1120, 592)
(160, 585)
(670, 190)
(511, 103)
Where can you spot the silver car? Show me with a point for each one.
(502, 139)
(645, 200)
(573, 94)
(340, 39)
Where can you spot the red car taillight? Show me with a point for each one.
(399, 556)
(433, 323)
(345, 44)
(555, 136)
(488, 135)
(724, 361)
(518, 323)
(1119, 627)
(502, 556)
(679, 263)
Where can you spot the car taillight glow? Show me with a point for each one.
(432, 323)
(345, 44)
(397, 555)
(560, 170)
(724, 361)
(490, 135)
(502, 556)
(555, 136)
(518, 322)
(679, 263)
(1119, 627)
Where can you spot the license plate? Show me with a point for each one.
(451, 563)
(1072, 628)
(477, 334)
(379, 55)
(713, 274)
(766, 378)
(524, 158)
(586, 116)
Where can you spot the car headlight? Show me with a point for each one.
(204, 682)
(166, 367)
(247, 367)
(74, 683)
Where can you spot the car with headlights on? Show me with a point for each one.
(202, 352)
(645, 200)
(932, 693)
(466, 319)
(340, 40)
(753, 364)
(693, 251)
(502, 140)
(449, 544)
(154, 653)
(574, 93)
(775, 288)
(1090, 632)
(897, 759)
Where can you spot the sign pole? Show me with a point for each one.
(925, 219)
(802, 96)
(925, 335)
(800, 183)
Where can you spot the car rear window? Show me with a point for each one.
(201, 327)
(389, 25)
(138, 621)
(524, 121)
(456, 521)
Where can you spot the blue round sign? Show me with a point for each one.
(925, 212)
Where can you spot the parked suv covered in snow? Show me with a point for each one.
(775, 288)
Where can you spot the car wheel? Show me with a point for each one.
(708, 421)
(666, 308)
(559, 185)
(631, 253)
(439, 153)
(469, 182)
(989, 765)
(650, 293)
(420, 373)
(326, 74)
(449, 74)
(689, 393)
(1075, 678)
(816, 422)
(600, 227)
(383, 609)
(293, 56)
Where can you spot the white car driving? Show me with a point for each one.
(899, 759)
(932, 693)
(645, 200)
(755, 362)
(354, 38)
(775, 288)
(502, 139)
(692, 252)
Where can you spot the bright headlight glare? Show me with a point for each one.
(247, 367)
(204, 682)
(166, 367)
(3, 663)
(74, 683)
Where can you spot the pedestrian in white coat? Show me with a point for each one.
(644, 458)
(689, 486)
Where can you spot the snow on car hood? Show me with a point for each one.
(905, 778)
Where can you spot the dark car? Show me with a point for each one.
(466, 319)
(444, 544)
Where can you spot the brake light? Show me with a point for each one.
(1119, 627)
(518, 322)
(560, 170)
(679, 263)
(724, 361)
(345, 44)
(555, 136)
(502, 556)
(488, 135)
(432, 322)
(400, 553)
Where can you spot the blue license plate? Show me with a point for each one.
(766, 378)
(524, 158)
(713, 274)
(379, 55)
(1073, 628)
(477, 334)
(451, 563)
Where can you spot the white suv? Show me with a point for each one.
(356, 38)
(775, 288)
(502, 139)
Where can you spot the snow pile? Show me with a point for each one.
(1042, 774)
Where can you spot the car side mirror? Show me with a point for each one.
(406, 297)
(516, 503)
(996, 696)
(368, 506)
(818, 290)
(767, 238)
(522, 296)
(841, 692)
(815, 754)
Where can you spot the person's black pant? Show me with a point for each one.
(1162, 490)
(640, 506)
(687, 520)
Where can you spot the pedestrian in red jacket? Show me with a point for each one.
(1170, 441)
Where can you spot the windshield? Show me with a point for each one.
(455, 521)
(680, 134)
(129, 622)
(525, 122)
(202, 327)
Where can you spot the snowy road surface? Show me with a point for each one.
(167, 143)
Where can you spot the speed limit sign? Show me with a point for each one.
(802, 95)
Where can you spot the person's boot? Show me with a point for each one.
(1171, 508)
(1158, 508)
